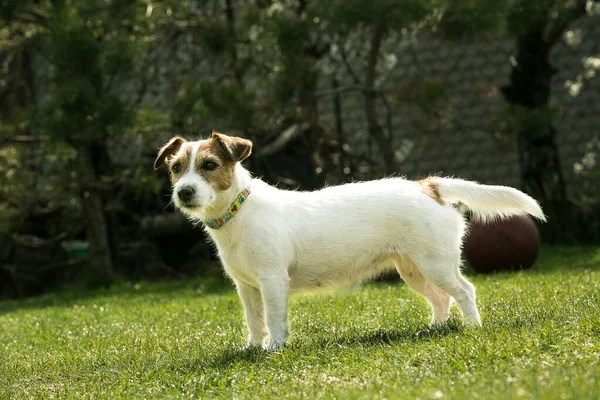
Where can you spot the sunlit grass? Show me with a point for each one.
(541, 339)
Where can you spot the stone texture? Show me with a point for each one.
(463, 144)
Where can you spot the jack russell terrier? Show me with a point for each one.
(274, 242)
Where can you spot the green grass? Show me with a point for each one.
(541, 339)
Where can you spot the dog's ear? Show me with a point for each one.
(238, 149)
(167, 150)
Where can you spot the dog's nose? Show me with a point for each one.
(186, 193)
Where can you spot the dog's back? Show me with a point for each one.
(344, 234)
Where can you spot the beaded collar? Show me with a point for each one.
(217, 223)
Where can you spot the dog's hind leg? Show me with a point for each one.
(467, 291)
(439, 300)
(445, 274)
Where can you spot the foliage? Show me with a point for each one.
(513, 118)
(87, 49)
(184, 339)
(118, 77)
(472, 18)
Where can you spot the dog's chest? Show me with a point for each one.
(236, 264)
(241, 273)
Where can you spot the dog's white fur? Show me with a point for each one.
(287, 241)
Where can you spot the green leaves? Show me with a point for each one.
(209, 100)
(83, 51)
(87, 55)
(533, 123)
(471, 18)
(524, 15)
(395, 13)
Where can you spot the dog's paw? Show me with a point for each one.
(249, 347)
(473, 324)
(253, 344)
(274, 344)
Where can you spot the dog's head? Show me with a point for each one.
(203, 172)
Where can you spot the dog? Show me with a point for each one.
(274, 242)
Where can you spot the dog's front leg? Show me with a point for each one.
(254, 312)
(274, 290)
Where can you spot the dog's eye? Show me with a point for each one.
(176, 168)
(209, 166)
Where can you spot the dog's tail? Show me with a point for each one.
(485, 201)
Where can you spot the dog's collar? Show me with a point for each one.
(217, 223)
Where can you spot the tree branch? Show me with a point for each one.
(349, 68)
(283, 139)
(340, 90)
(557, 29)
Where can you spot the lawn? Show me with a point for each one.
(540, 339)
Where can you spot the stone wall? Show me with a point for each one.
(465, 142)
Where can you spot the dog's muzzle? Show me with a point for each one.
(186, 194)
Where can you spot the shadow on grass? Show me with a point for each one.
(231, 357)
(393, 336)
(125, 290)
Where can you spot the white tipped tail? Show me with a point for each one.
(487, 201)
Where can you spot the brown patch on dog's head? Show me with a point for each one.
(430, 188)
(172, 147)
(179, 163)
(217, 157)
(238, 149)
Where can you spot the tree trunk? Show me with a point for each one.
(370, 97)
(541, 172)
(94, 218)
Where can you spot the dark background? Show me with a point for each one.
(503, 92)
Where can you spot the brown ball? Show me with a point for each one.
(502, 245)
